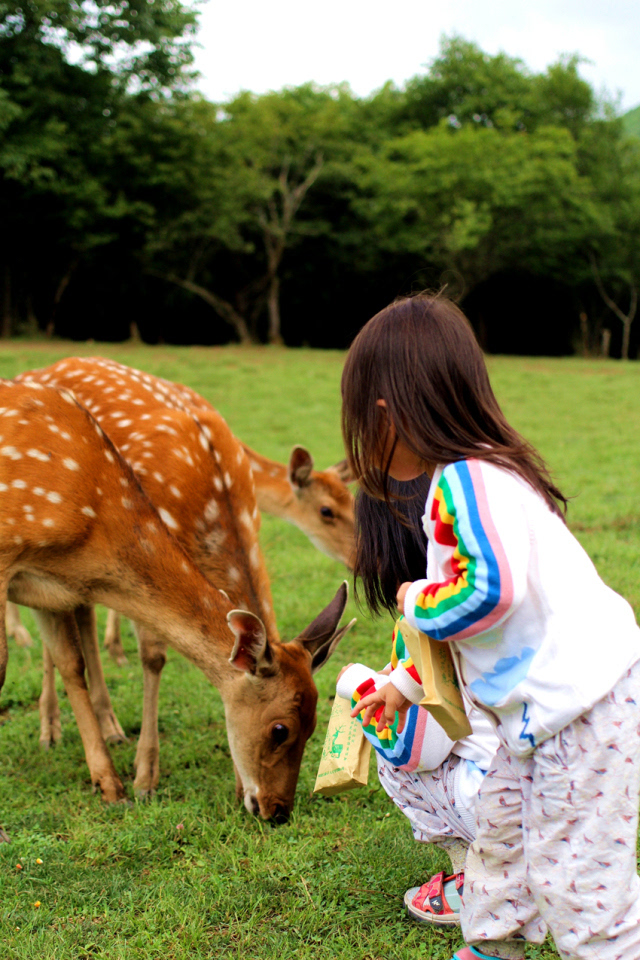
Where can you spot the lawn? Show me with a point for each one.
(190, 875)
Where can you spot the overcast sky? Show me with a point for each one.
(264, 45)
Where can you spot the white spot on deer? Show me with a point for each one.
(174, 490)
(256, 513)
(7, 412)
(185, 566)
(234, 574)
(212, 510)
(266, 606)
(88, 512)
(273, 473)
(127, 503)
(254, 555)
(18, 485)
(98, 430)
(48, 522)
(38, 455)
(124, 396)
(66, 436)
(125, 423)
(17, 539)
(110, 457)
(146, 416)
(218, 484)
(70, 464)
(88, 379)
(3, 487)
(29, 516)
(138, 402)
(228, 480)
(168, 519)
(27, 508)
(39, 491)
(53, 497)
(151, 527)
(124, 447)
(24, 423)
(204, 443)
(68, 396)
(214, 539)
(217, 456)
(99, 491)
(11, 452)
(53, 427)
(147, 455)
(245, 518)
(158, 476)
(124, 482)
(206, 431)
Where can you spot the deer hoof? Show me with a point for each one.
(111, 791)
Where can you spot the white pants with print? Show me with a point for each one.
(556, 838)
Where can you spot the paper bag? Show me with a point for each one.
(442, 697)
(345, 754)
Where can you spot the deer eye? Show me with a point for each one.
(327, 513)
(279, 734)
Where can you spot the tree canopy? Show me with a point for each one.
(130, 201)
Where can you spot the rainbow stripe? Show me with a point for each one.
(479, 593)
(400, 749)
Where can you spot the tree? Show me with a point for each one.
(256, 162)
(56, 198)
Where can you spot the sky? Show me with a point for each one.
(262, 45)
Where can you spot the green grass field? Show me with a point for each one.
(190, 875)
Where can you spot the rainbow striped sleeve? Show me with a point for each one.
(401, 749)
(479, 593)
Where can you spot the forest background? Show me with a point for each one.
(131, 205)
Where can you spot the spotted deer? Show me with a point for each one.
(318, 502)
(76, 528)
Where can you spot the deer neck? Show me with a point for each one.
(274, 493)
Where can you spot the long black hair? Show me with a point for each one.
(421, 357)
(391, 545)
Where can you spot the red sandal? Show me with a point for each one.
(428, 903)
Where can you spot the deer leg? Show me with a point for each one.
(4, 650)
(60, 633)
(112, 638)
(147, 762)
(100, 699)
(15, 628)
(50, 726)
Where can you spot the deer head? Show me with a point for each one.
(270, 705)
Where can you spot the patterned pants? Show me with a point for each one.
(556, 839)
(428, 800)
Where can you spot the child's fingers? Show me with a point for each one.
(364, 703)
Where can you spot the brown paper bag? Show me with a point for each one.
(345, 754)
(442, 697)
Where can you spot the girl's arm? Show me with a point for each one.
(480, 535)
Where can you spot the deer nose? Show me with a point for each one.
(280, 813)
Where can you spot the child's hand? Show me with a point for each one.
(393, 702)
(401, 594)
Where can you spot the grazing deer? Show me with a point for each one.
(14, 627)
(77, 528)
(318, 502)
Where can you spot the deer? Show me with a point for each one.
(317, 502)
(77, 528)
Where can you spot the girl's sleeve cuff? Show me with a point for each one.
(352, 678)
(404, 682)
(410, 599)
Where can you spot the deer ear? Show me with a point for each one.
(322, 636)
(251, 651)
(300, 467)
(343, 471)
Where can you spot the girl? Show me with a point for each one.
(541, 646)
(431, 779)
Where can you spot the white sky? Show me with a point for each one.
(264, 45)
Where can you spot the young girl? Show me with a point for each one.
(431, 779)
(541, 645)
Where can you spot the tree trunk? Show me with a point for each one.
(273, 306)
(625, 318)
(62, 286)
(223, 308)
(7, 318)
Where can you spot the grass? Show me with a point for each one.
(189, 875)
